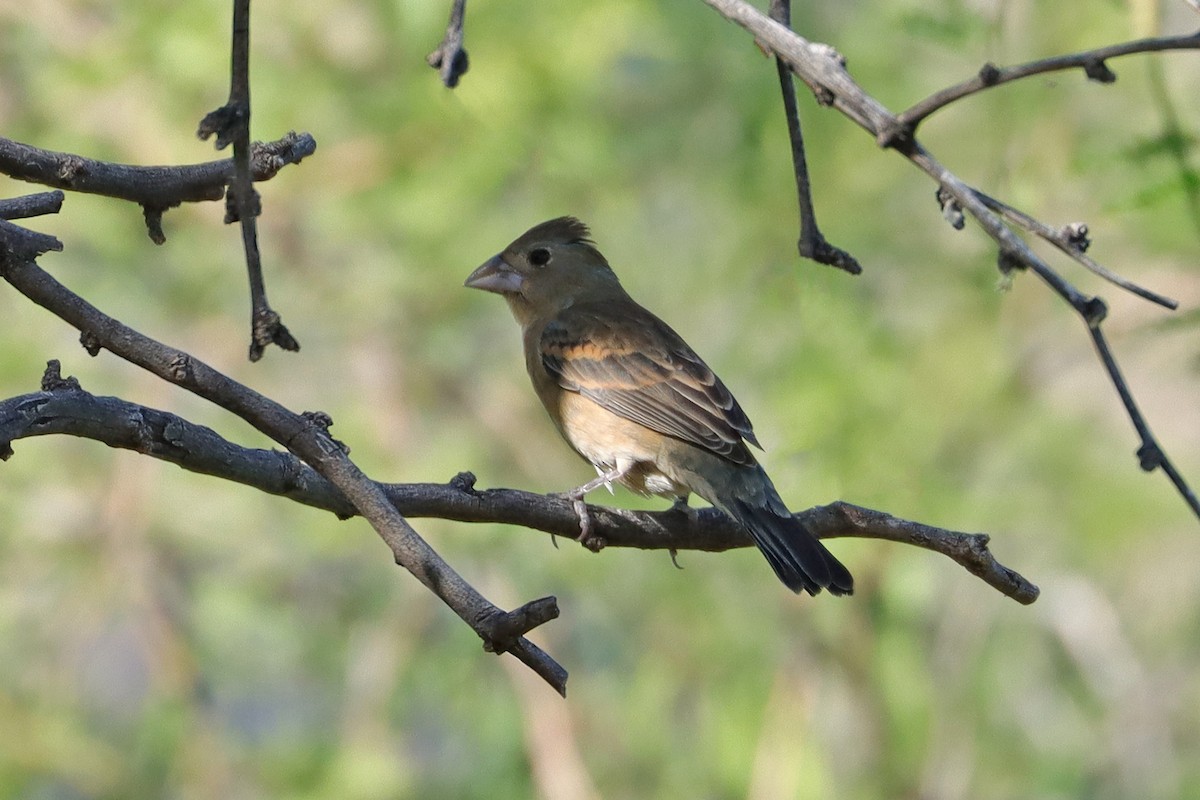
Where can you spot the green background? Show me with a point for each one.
(164, 634)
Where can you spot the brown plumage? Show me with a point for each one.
(631, 397)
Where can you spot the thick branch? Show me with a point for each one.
(66, 409)
(818, 65)
(305, 435)
(153, 188)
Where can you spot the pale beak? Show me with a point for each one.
(495, 275)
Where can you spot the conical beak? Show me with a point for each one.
(495, 275)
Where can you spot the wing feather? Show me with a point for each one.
(632, 363)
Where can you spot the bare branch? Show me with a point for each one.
(1072, 239)
(231, 124)
(1092, 62)
(64, 408)
(304, 435)
(156, 188)
(22, 243)
(1092, 310)
(812, 243)
(31, 205)
(819, 68)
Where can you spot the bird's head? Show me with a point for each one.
(547, 269)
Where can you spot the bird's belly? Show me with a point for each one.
(607, 441)
(645, 478)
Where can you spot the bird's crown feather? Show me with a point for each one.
(563, 230)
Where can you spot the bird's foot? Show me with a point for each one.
(582, 514)
(587, 537)
(680, 506)
(593, 542)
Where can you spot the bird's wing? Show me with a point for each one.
(630, 362)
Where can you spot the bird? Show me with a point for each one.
(632, 398)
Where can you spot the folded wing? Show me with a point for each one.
(633, 364)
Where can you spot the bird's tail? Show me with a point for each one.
(796, 555)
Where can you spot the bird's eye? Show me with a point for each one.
(539, 257)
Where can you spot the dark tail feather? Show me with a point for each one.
(798, 557)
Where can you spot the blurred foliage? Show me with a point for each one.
(165, 634)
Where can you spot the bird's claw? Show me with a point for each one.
(680, 506)
(592, 541)
(581, 513)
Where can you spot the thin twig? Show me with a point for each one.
(1090, 61)
(1072, 240)
(450, 57)
(305, 435)
(65, 408)
(231, 125)
(1150, 454)
(812, 243)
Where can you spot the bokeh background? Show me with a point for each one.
(164, 634)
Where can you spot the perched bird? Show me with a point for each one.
(631, 397)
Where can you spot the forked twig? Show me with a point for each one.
(230, 124)
(155, 189)
(1092, 62)
(836, 88)
(1072, 239)
(306, 435)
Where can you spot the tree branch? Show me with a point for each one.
(62, 407)
(31, 205)
(231, 124)
(305, 435)
(812, 243)
(155, 189)
(1072, 240)
(1016, 254)
(1092, 62)
(819, 67)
